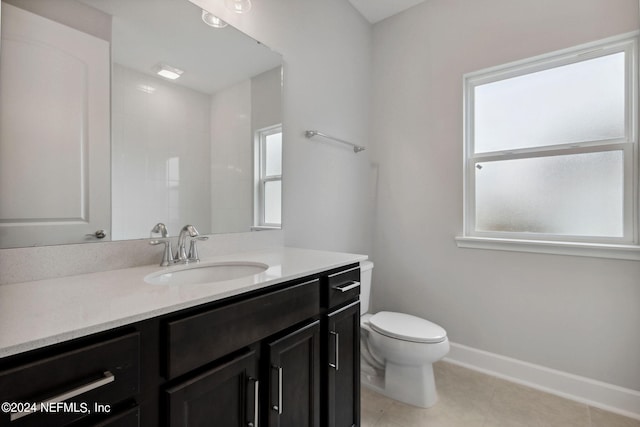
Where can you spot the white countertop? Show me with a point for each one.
(45, 312)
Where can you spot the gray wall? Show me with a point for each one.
(327, 59)
(578, 315)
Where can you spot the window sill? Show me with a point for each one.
(264, 227)
(625, 252)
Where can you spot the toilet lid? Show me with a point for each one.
(406, 327)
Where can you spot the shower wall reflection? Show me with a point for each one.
(186, 156)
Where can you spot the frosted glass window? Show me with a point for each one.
(273, 154)
(273, 202)
(583, 101)
(579, 195)
(550, 147)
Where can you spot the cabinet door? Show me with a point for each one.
(224, 396)
(294, 379)
(343, 365)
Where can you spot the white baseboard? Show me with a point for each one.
(598, 394)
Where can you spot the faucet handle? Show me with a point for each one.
(190, 230)
(161, 229)
(167, 257)
(193, 249)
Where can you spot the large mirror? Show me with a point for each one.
(119, 114)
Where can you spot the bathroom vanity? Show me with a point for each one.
(278, 348)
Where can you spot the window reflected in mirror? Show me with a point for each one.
(268, 167)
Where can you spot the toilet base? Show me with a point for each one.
(413, 385)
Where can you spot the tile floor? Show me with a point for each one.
(471, 399)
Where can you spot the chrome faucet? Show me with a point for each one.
(167, 257)
(181, 253)
(181, 256)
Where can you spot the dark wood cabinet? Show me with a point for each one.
(341, 347)
(284, 392)
(343, 366)
(282, 356)
(224, 395)
(194, 340)
(294, 378)
(124, 418)
(104, 373)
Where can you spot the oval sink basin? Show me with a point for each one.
(205, 273)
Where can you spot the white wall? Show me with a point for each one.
(159, 154)
(266, 99)
(237, 112)
(326, 47)
(578, 315)
(231, 159)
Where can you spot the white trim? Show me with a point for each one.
(594, 250)
(598, 394)
(264, 227)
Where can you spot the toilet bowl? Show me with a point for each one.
(398, 351)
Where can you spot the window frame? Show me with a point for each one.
(538, 242)
(260, 177)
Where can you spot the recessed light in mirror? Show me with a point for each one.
(167, 71)
(211, 20)
(145, 88)
(238, 6)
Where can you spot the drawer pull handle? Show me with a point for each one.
(256, 402)
(107, 378)
(336, 365)
(347, 286)
(279, 406)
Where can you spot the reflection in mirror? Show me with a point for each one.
(177, 110)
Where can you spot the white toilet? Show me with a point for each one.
(398, 350)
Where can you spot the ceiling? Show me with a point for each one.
(377, 10)
(148, 32)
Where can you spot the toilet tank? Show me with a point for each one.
(366, 269)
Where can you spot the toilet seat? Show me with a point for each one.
(407, 327)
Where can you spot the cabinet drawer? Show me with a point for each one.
(107, 372)
(199, 339)
(342, 287)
